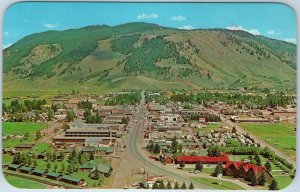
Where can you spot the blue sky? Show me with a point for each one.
(276, 21)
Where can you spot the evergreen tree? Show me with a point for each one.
(155, 185)
(258, 160)
(262, 179)
(182, 165)
(70, 115)
(156, 149)
(91, 156)
(54, 155)
(254, 181)
(65, 126)
(169, 186)
(199, 166)
(273, 185)
(62, 155)
(69, 169)
(268, 166)
(176, 186)
(218, 169)
(48, 165)
(162, 185)
(183, 186)
(191, 186)
(174, 144)
(97, 174)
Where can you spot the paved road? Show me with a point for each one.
(134, 147)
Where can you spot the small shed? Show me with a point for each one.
(24, 146)
(72, 180)
(55, 176)
(14, 167)
(25, 169)
(39, 172)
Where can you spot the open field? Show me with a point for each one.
(24, 183)
(16, 128)
(20, 128)
(280, 135)
(214, 184)
(283, 181)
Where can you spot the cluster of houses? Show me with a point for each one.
(50, 175)
(269, 115)
(221, 136)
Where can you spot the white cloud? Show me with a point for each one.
(178, 18)
(271, 32)
(291, 40)
(4, 46)
(6, 33)
(51, 26)
(241, 28)
(236, 28)
(254, 31)
(186, 27)
(147, 16)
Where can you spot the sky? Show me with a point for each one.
(273, 20)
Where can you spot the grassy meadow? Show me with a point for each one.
(225, 185)
(279, 135)
(24, 183)
(20, 128)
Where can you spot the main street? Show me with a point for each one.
(135, 146)
(134, 158)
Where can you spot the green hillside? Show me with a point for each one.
(142, 55)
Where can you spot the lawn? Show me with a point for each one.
(237, 157)
(283, 181)
(24, 183)
(20, 128)
(210, 127)
(213, 183)
(7, 159)
(279, 135)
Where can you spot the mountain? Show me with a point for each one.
(143, 55)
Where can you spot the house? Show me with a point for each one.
(148, 182)
(25, 169)
(202, 119)
(88, 150)
(55, 176)
(88, 166)
(14, 167)
(103, 150)
(41, 155)
(9, 151)
(25, 146)
(104, 169)
(203, 159)
(232, 168)
(245, 170)
(73, 181)
(169, 159)
(39, 172)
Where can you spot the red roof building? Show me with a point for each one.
(245, 170)
(203, 159)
